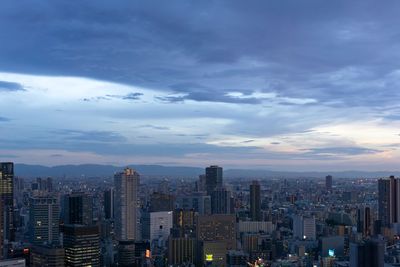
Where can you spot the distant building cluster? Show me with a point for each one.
(134, 220)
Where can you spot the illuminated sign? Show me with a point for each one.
(331, 253)
(209, 257)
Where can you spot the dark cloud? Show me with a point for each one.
(10, 86)
(338, 52)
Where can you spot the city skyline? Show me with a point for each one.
(279, 85)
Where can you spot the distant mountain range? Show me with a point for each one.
(94, 170)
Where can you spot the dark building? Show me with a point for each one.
(255, 201)
(217, 227)
(220, 201)
(7, 199)
(161, 202)
(364, 225)
(369, 253)
(82, 245)
(328, 182)
(78, 209)
(49, 256)
(213, 178)
(184, 223)
(182, 250)
(109, 204)
(44, 220)
(389, 201)
(126, 253)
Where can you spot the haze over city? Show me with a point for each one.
(280, 85)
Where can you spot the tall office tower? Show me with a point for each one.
(213, 178)
(7, 197)
(255, 201)
(82, 245)
(328, 182)
(46, 255)
(364, 225)
(182, 250)
(44, 184)
(217, 227)
(369, 253)
(126, 210)
(77, 208)
(389, 201)
(109, 204)
(44, 220)
(220, 201)
(183, 223)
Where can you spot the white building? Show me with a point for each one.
(126, 210)
(160, 225)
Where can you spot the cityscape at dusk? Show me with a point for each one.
(199, 133)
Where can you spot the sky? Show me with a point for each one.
(278, 84)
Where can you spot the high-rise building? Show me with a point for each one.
(126, 210)
(182, 250)
(109, 204)
(255, 201)
(213, 178)
(49, 256)
(369, 253)
(7, 199)
(157, 225)
(220, 201)
(328, 182)
(161, 202)
(389, 201)
(217, 227)
(364, 221)
(44, 220)
(304, 227)
(82, 245)
(77, 208)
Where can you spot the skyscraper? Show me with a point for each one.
(44, 220)
(364, 225)
(328, 182)
(389, 201)
(255, 201)
(126, 205)
(220, 201)
(109, 203)
(369, 253)
(82, 245)
(7, 198)
(213, 178)
(78, 208)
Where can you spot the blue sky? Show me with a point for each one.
(284, 85)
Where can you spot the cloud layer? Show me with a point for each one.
(273, 83)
